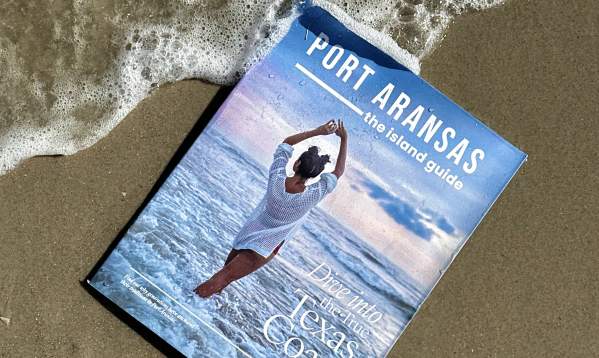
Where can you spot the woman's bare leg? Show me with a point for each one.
(231, 256)
(240, 263)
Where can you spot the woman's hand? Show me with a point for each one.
(342, 156)
(340, 130)
(327, 128)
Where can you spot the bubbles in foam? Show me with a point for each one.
(414, 25)
(105, 60)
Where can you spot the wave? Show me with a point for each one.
(236, 153)
(361, 269)
(185, 233)
(104, 61)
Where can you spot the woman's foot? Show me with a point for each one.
(208, 288)
(242, 263)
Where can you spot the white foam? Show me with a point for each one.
(377, 38)
(207, 39)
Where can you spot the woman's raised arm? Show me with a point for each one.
(325, 129)
(340, 165)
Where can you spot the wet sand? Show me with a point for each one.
(524, 286)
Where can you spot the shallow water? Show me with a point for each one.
(185, 234)
(71, 70)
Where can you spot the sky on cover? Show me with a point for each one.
(386, 196)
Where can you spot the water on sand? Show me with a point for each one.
(72, 70)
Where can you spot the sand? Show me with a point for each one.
(525, 285)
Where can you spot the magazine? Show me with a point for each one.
(313, 214)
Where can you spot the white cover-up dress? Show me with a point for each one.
(279, 213)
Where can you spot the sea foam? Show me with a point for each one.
(70, 80)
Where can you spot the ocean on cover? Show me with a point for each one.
(315, 212)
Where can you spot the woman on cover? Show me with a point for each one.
(285, 204)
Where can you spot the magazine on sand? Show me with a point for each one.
(313, 214)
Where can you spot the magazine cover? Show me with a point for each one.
(314, 213)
